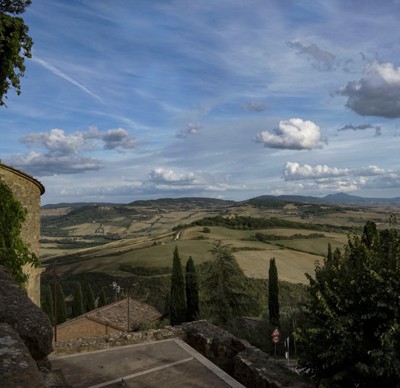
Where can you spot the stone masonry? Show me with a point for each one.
(27, 191)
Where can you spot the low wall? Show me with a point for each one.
(247, 364)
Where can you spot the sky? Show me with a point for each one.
(232, 99)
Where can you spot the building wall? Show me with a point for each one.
(82, 327)
(27, 191)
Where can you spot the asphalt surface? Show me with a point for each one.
(167, 364)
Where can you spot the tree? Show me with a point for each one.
(14, 253)
(102, 298)
(47, 302)
(15, 45)
(90, 302)
(225, 291)
(77, 304)
(192, 291)
(61, 313)
(273, 294)
(177, 302)
(354, 312)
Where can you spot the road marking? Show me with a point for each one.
(142, 373)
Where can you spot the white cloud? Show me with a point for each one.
(375, 94)
(293, 171)
(161, 175)
(57, 142)
(294, 134)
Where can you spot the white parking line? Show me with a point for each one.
(142, 373)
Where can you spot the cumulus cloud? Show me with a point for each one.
(296, 134)
(293, 171)
(117, 138)
(62, 153)
(57, 142)
(377, 128)
(375, 94)
(191, 129)
(326, 178)
(322, 60)
(253, 106)
(162, 175)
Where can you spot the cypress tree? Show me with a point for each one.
(192, 292)
(77, 304)
(61, 307)
(177, 305)
(273, 295)
(102, 298)
(47, 302)
(226, 295)
(90, 303)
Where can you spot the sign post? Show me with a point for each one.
(275, 338)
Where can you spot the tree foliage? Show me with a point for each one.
(273, 294)
(177, 302)
(225, 284)
(192, 291)
(102, 301)
(77, 304)
(14, 253)
(47, 302)
(15, 45)
(61, 313)
(90, 301)
(354, 333)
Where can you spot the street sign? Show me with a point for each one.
(276, 335)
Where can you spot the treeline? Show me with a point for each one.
(272, 237)
(59, 308)
(253, 223)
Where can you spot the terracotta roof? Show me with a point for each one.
(24, 175)
(115, 315)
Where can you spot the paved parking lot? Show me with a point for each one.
(168, 363)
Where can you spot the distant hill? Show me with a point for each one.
(338, 198)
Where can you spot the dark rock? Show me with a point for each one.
(28, 320)
(17, 368)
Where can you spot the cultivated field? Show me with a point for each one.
(102, 238)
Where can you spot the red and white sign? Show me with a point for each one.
(276, 335)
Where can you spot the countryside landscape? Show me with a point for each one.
(133, 243)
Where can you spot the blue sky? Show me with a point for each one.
(142, 99)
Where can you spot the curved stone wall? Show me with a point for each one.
(27, 191)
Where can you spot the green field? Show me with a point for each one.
(142, 235)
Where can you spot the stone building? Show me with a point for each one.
(27, 190)
(109, 319)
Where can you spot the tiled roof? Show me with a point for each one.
(116, 314)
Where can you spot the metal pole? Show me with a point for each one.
(128, 307)
(55, 302)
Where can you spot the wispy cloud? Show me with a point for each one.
(362, 127)
(59, 73)
(322, 59)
